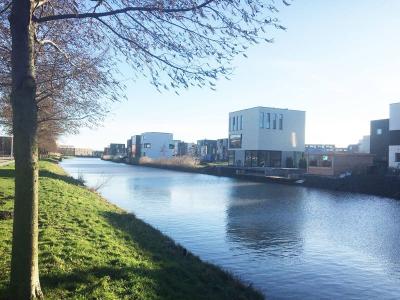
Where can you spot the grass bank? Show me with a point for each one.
(91, 249)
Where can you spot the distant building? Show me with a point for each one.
(157, 145)
(266, 137)
(117, 149)
(97, 153)
(66, 150)
(379, 141)
(222, 150)
(364, 144)
(207, 150)
(353, 148)
(129, 148)
(6, 146)
(83, 152)
(134, 147)
(319, 148)
(191, 149)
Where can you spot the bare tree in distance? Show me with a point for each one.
(176, 44)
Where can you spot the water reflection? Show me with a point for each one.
(248, 225)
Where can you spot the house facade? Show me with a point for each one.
(266, 137)
(156, 145)
(207, 150)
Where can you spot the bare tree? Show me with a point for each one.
(176, 44)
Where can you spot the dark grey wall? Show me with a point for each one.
(379, 145)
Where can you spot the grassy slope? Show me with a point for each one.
(90, 249)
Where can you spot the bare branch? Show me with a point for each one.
(151, 8)
(6, 7)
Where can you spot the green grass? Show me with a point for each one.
(90, 249)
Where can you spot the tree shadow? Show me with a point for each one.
(7, 173)
(174, 273)
(65, 178)
(10, 173)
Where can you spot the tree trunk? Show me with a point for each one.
(24, 283)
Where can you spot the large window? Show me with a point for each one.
(235, 141)
(280, 121)
(251, 159)
(262, 120)
(233, 123)
(241, 122)
(268, 120)
(274, 122)
(294, 140)
(397, 157)
(147, 145)
(231, 158)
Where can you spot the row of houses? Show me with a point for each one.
(267, 137)
(157, 145)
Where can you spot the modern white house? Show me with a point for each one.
(266, 137)
(394, 135)
(157, 145)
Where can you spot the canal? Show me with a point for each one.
(290, 242)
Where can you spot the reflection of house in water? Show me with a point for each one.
(266, 217)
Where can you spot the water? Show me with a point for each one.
(290, 242)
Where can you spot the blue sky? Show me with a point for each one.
(338, 60)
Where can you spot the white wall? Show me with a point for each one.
(394, 124)
(159, 145)
(394, 119)
(290, 138)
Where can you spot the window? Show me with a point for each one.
(397, 157)
(241, 122)
(231, 158)
(171, 146)
(230, 124)
(294, 140)
(235, 141)
(274, 122)
(237, 123)
(233, 123)
(147, 145)
(268, 121)
(261, 120)
(379, 131)
(280, 121)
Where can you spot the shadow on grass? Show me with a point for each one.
(7, 173)
(65, 178)
(94, 278)
(174, 273)
(10, 173)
